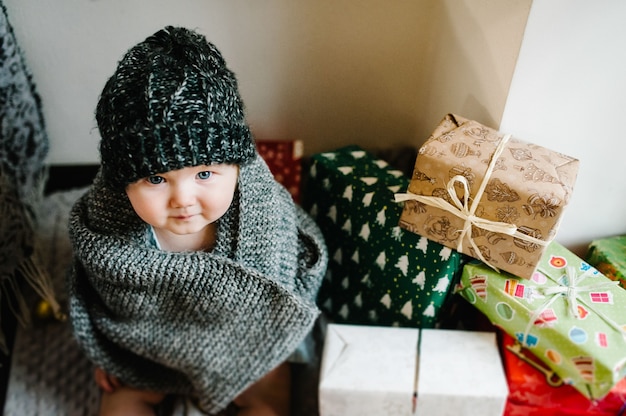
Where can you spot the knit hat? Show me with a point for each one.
(171, 103)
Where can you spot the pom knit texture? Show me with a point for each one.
(171, 103)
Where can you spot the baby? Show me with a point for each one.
(194, 273)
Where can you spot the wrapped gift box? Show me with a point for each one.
(608, 255)
(496, 198)
(378, 274)
(385, 371)
(460, 373)
(568, 315)
(368, 370)
(284, 158)
(534, 390)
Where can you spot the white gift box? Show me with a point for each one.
(460, 374)
(379, 371)
(368, 370)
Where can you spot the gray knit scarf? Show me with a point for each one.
(201, 324)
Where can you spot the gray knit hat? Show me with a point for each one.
(171, 103)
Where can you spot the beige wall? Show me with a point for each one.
(372, 72)
(468, 60)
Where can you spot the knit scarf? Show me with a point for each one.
(195, 323)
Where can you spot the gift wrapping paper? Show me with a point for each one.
(608, 255)
(378, 273)
(489, 195)
(284, 158)
(567, 314)
(390, 371)
(460, 373)
(534, 390)
(368, 370)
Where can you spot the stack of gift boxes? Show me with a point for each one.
(475, 224)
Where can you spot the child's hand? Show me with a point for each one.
(105, 381)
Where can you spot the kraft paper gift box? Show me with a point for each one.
(534, 389)
(385, 371)
(284, 158)
(378, 273)
(568, 315)
(489, 195)
(608, 255)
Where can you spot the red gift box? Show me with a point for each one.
(284, 158)
(535, 391)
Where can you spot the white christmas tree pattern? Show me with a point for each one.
(401, 281)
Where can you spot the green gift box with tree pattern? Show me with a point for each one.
(378, 273)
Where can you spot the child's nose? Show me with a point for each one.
(182, 197)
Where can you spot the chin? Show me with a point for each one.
(191, 229)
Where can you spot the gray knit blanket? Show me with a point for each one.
(23, 149)
(201, 324)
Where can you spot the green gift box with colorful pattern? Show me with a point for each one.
(378, 274)
(568, 315)
(608, 255)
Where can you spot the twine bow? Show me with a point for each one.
(466, 212)
(572, 293)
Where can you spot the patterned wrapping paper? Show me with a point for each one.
(284, 158)
(608, 255)
(378, 274)
(516, 193)
(568, 315)
(530, 394)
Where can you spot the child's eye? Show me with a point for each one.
(205, 174)
(155, 180)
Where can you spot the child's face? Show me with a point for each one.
(184, 201)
